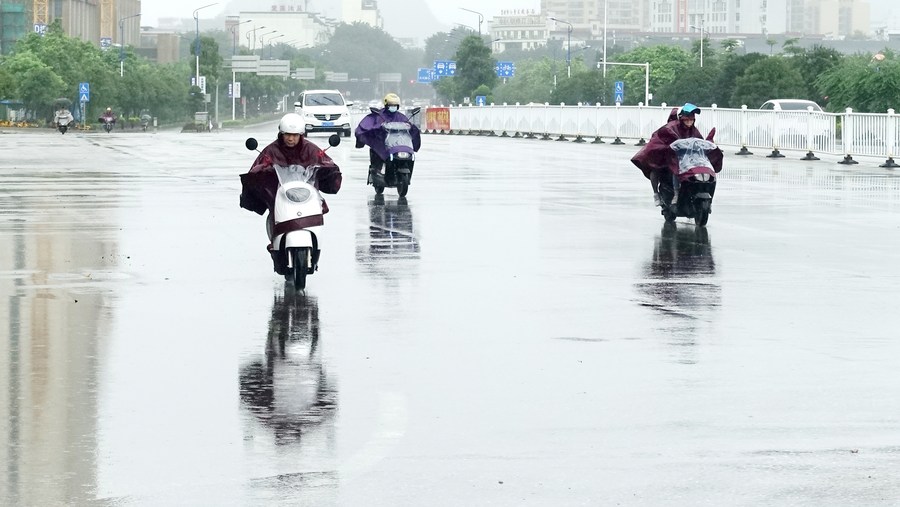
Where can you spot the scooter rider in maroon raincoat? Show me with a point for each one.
(260, 185)
(656, 159)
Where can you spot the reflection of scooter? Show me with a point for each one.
(288, 390)
(696, 181)
(391, 230)
(681, 268)
(296, 219)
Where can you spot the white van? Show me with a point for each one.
(324, 111)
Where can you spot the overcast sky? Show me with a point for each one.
(444, 10)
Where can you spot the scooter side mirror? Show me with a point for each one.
(414, 111)
(251, 143)
(334, 140)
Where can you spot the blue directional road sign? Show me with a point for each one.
(619, 92)
(480, 100)
(84, 92)
(505, 69)
(444, 68)
(425, 75)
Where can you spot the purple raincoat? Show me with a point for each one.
(370, 132)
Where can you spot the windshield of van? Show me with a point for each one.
(324, 99)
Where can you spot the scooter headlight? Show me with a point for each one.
(404, 155)
(702, 177)
(298, 194)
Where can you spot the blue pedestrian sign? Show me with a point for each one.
(619, 92)
(480, 100)
(105, 42)
(84, 92)
(505, 69)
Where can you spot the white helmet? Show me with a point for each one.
(291, 123)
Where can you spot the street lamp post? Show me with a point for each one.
(568, 47)
(605, 16)
(250, 36)
(197, 45)
(270, 43)
(262, 42)
(702, 32)
(480, 18)
(122, 42)
(234, 36)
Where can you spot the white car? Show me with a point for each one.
(324, 111)
(791, 105)
(798, 117)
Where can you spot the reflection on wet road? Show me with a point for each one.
(522, 327)
(288, 389)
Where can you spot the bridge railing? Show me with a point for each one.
(844, 134)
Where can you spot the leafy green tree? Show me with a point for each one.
(210, 59)
(699, 87)
(36, 83)
(773, 77)
(861, 83)
(813, 63)
(474, 66)
(533, 82)
(731, 68)
(667, 63)
(584, 86)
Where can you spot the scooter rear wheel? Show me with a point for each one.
(702, 213)
(402, 185)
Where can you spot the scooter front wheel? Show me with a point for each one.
(300, 259)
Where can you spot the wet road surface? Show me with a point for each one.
(522, 330)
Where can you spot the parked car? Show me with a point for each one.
(795, 122)
(324, 111)
(791, 105)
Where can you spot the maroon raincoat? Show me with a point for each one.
(260, 184)
(656, 155)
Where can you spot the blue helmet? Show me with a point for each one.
(688, 109)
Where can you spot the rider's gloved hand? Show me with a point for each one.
(359, 144)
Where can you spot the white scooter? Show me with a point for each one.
(296, 219)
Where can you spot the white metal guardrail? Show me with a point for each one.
(844, 134)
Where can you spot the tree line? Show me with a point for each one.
(41, 70)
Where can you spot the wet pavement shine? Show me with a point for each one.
(522, 329)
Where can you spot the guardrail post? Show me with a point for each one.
(641, 142)
(776, 135)
(516, 115)
(617, 140)
(743, 132)
(546, 136)
(562, 110)
(847, 137)
(505, 118)
(578, 138)
(597, 139)
(809, 153)
(892, 131)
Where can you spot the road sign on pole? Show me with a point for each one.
(619, 92)
(84, 92)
